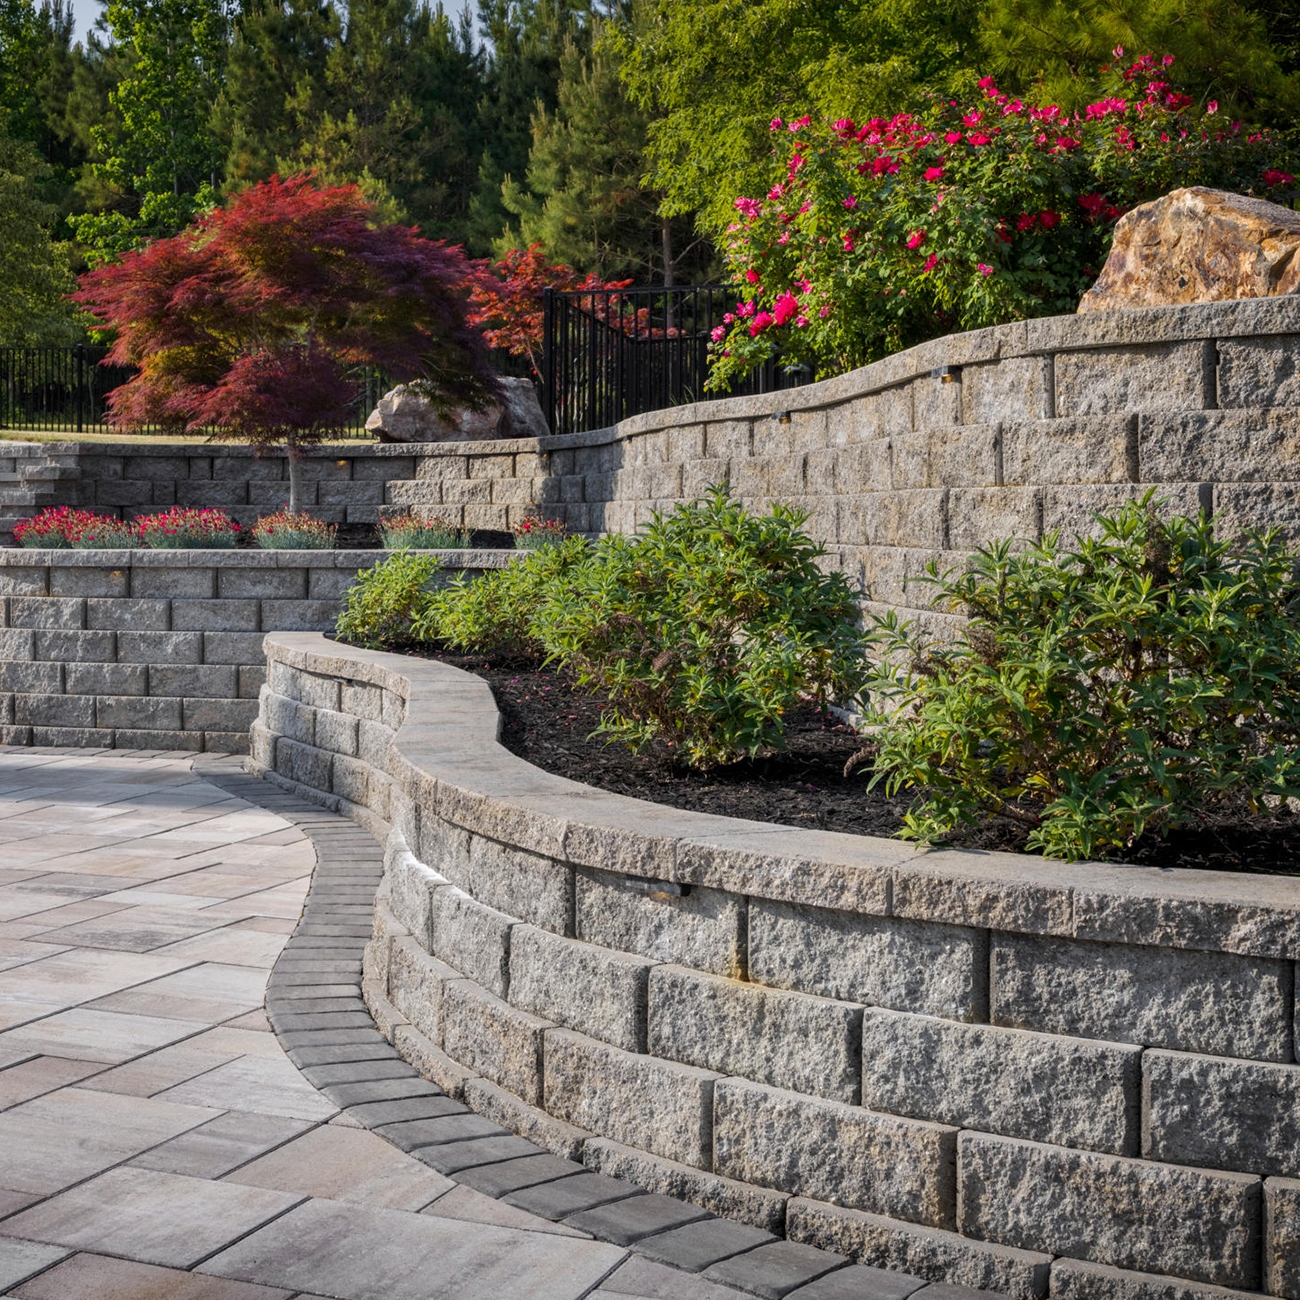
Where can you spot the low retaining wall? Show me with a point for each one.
(159, 649)
(1038, 1078)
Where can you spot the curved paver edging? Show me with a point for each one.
(315, 1007)
(975, 1067)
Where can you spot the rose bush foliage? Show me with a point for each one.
(875, 236)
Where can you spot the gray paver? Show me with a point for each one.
(20, 1260)
(774, 1271)
(698, 1245)
(572, 1195)
(452, 1124)
(858, 1282)
(513, 1175)
(642, 1216)
(453, 1157)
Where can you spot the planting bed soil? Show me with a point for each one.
(548, 723)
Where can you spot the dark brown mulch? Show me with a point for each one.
(546, 722)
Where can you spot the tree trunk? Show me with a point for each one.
(670, 266)
(295, 472)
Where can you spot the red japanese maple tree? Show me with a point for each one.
(248, 322)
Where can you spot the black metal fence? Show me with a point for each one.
(613, 353)
(65, 390)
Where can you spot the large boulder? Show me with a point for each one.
(1199, 245)
(403, 415)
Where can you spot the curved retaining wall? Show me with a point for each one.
(1076, 1080)
(933, 451)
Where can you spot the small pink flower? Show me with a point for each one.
(759, 324)
(952, 137)
(930, 263)
(776, 124)
(850, 202)
(1212, 107)
(786, 308)
(934, 173)
(978, 138)
(983, 268)
(916, 239)
(972, 118)
(752, 276)
(718, 333)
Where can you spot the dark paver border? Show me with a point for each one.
(325, 1031)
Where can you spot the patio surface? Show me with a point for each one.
(155, 1139)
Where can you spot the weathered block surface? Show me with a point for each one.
(1068, 1091)
(492, 1038)
(1074, 1279)
(790, 1040)
(832, 1152)
(1282, 1237)
(1130, 1213)
(472, 938)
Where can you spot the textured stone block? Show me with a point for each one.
(17, 643)
(75, 647)
(941, 970)
(1010, 388)
(214, 680)
(311, 688)
(1259, 372)
(1071, 1091)
(336, 732)
(923, 1252)
(25, 580)
(363, 700)
(527, 885)
(827, 1150)
(303, 763)
(281, 584)
(91, 738)
(174, 582)
(759, 1206)
(138, 712)
(1111, 1210)
(1074, 1279)
(703, 929)
(287, 717)
(299, 615)
(471, 937)
(897, 518)
(1282, 1237)
(1239, 506)
(67, 612)
(412, 885)
(32, 678)
(790, 1040)
(977, 516)
(217, 715)
(590, 989)
(1223, 1114)
(493, 1039)
(107, 582)
(658, 1106)
(415, 984)
(1219, 446)
(216, 615)
(1153, 377)
(132, 615)
(535, 1125)
(966, 457)
(233, 648)
(1092, 450)
(1217, 1003)
(54, 711)
(104, 679)
(160, 647)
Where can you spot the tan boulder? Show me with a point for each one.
(1199, 245)
(403, 415)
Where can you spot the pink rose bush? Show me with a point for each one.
(877, 235)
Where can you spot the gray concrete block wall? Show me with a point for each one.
(160, 649)
(957, 1074)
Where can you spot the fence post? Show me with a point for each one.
(548, 356)
(81, 384)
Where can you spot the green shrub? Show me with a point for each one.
(287, 531)
(705, 629)
(381, 605)
(495, 611)
(1146, 679)
(405, 531)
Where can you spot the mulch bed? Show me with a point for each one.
(548, 723)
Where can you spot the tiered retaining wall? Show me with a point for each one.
(158, 649)
(1040, 1078)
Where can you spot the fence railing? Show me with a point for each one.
(65, 390)
(613, 353)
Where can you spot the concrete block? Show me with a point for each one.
(138, 712)
(299, 615)
(1111, 1210)
(529, 1122)
(743, 1202)
(1092, 450)
(302, 763)
(25, 580)
(363, 700)
(1010, 388)
(16, 644)
(966, 456)
(156, 468)
(174, 582)
(445, 848)
(137, 493)
(494, 1039)
(590, 989)
(703, 929)
(328, 584)
(727, 439)
(67, 612)
(790, 1040)
(218, 715)
(131, 614)
(233, 648)
(1216, 1003)
(311, 688)
(412, 887)
(924, 966)
(90, 582)
(897, 518)
(657, 1106)
(1282, 1237)
(373, 742)
(1074, 1279)
(930, 1253)
(81, 738)
(280, 584)
(1219, 446)
(251, 680)
(977, 516)
(415, 984)
(216, 680)
(160, 647)
(473, 938)
(1219, 1113)
(527, 885)
(105, 679)
(336, 732)
(1259, 371)
(216, 615)
(1151, 377)
(75, 647)
(53, 710)
(35, 679)
(286, 717)
(824, 1149)
(351, 779)
(1239, 506)
(1070, 1091)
